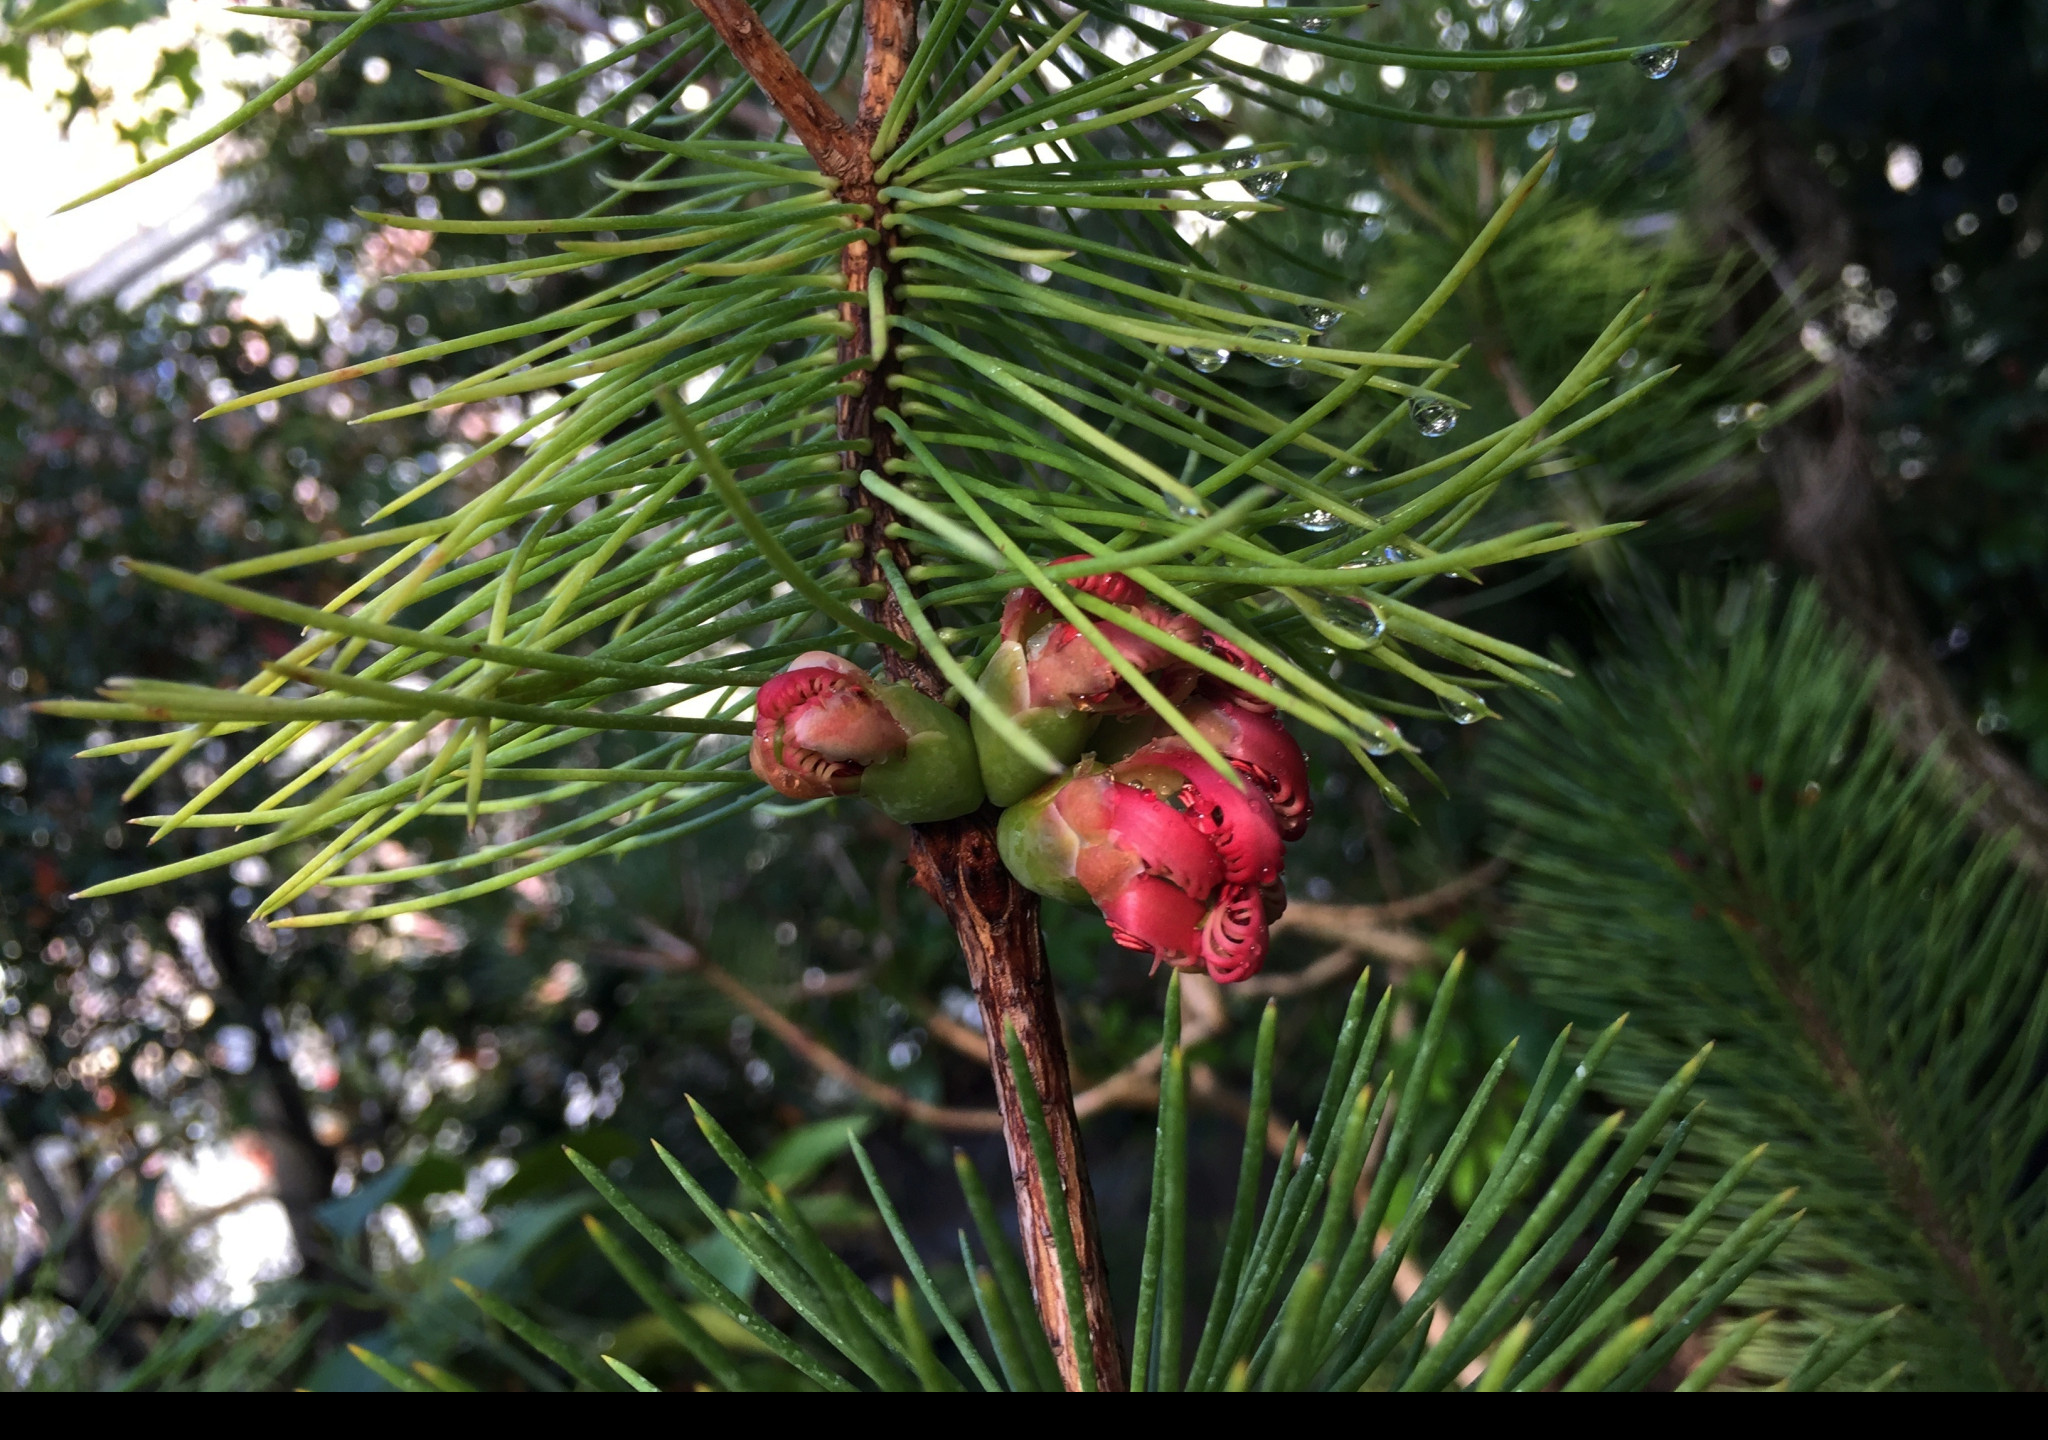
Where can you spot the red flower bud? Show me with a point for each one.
(825, 727)
(1065, 670)
(819, 725)
(1180, 862)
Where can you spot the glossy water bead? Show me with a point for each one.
(1320, 317)
(1259, 180)
(1208, 359)
(1279, 335)
(1385, 555)
(1317, 522)
(1433, 418)
(1360, 619)
(1657, 64)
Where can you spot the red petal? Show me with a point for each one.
(1258, 747)
(1222, 690)
(1163, 840)
(1239, 823)
(1264, 751)
(1115, 587)
(798, 773)
(1151, 914)
(1020, 608)
(1234, 935)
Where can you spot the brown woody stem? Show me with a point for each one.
(995, 918)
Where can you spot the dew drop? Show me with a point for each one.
(1386, 744)
(1317, 522)
(1433, 418)
(1189, 113)
(1208, 360)
(1312, 24)
(1359, 618)
(1657, 64)
(1320, 317)
(1282, 336)
(1259, 180)
(1460, 712)
(1352, 472)
(1385, 555)
(1364, 289)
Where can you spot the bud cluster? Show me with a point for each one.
(1183, 861)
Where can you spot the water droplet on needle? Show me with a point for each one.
(1359, 618)
(1317, 522)
(1657, 63)
(1281, 335)
(1259, 181)
(1433, 418)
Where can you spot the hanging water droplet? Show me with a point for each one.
(1312, 24)
(1190, 113)
(1385, 555)
(1461, 713)
(1433, 418)
(1260, 181)
(1208, 360)
(1352, 472)
(1282, 336)
(1364, 289)
(1320, 317)
(1317, 522)
(1183, 509)
(1377, 745)
(1357, 617)
(1658, 63)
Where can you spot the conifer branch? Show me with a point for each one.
(828, 137)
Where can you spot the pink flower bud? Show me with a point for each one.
(1064, 669)
(1182, 864)
(825, 727)
(819, 725)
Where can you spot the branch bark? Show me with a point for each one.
(994, 918)
(816, 125)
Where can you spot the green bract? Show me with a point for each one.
(937, 778)
(1008, 774)
(1039, 848)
